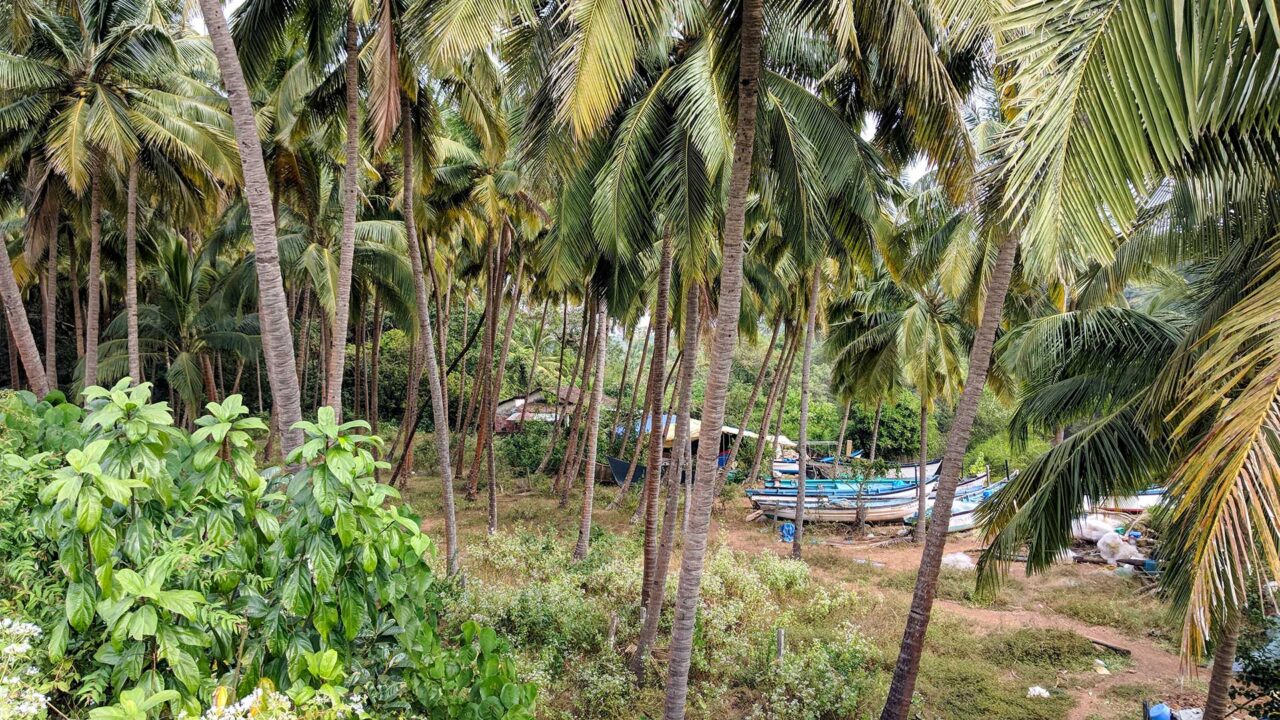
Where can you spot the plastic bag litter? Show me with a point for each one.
(1035, 691)
(1110, 546)
(1092, 527)
(1195, 714)
(957, 561)
(1113, 547)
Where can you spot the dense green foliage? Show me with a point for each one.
(182, 568)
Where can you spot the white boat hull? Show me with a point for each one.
(1131, 504)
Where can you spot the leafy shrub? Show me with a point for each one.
(820, 681)
(184, 569)
(1257, 685)
(604, 689)
(523, 451)
(1047, 647)
(26, 427)
(781, 574)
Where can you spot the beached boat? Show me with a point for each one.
(963, 510)
(874, 490)
(1141, 502)
(841, 511)
(827, 508)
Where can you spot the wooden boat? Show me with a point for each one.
(1139, 503)
(842, 511)
(876, 490)
(825, 508)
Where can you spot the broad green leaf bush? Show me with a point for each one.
(186, 573)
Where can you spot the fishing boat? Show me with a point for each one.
(825, 507)
(825, 467)
(786, 467)
(841, 510)
(963, 510)
(1141, 502)
(878, 489)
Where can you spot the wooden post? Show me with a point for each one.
(782, 644)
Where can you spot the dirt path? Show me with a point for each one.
(1150, 664)
(1149, 661)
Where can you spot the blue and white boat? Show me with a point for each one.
(963, 510)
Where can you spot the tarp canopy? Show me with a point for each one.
(783, 440)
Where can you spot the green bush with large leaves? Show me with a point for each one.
(183, 569)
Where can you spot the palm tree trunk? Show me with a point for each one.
(337, 350)
(462, 379)
(844, 425)
(493, 304)
(492, 411)
(652, 413)
(635, 394)
(555, 428)
(357, 377)
(533, 365)
(593, 435)
(875, 428)
(131, 274)
(15, 380)
(622, 382)
(94, 308)
(783, 395)
(684, 403)
(210, 385)
(898, 702)
(77, 310)
(806, 370)
(751, 407)
(439, 414)
(631, 420)
(94, 281)
(304, 337)
(20, 332)
(51, 315)
(779, 377)
(922, 480)
(726, 340)
(1224, 657)
(273, 313)
(374, 363)
(568, 469)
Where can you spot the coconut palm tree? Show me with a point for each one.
(1126, 377)
(1073, 167)
(273, 313)
(126, 96)
(186, 323)
(16, 314)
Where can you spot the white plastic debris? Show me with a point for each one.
(1092, 527)
(1100, 667)
(957, 561)
(1035, 691)
(1196, 714)
(1110, 545)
